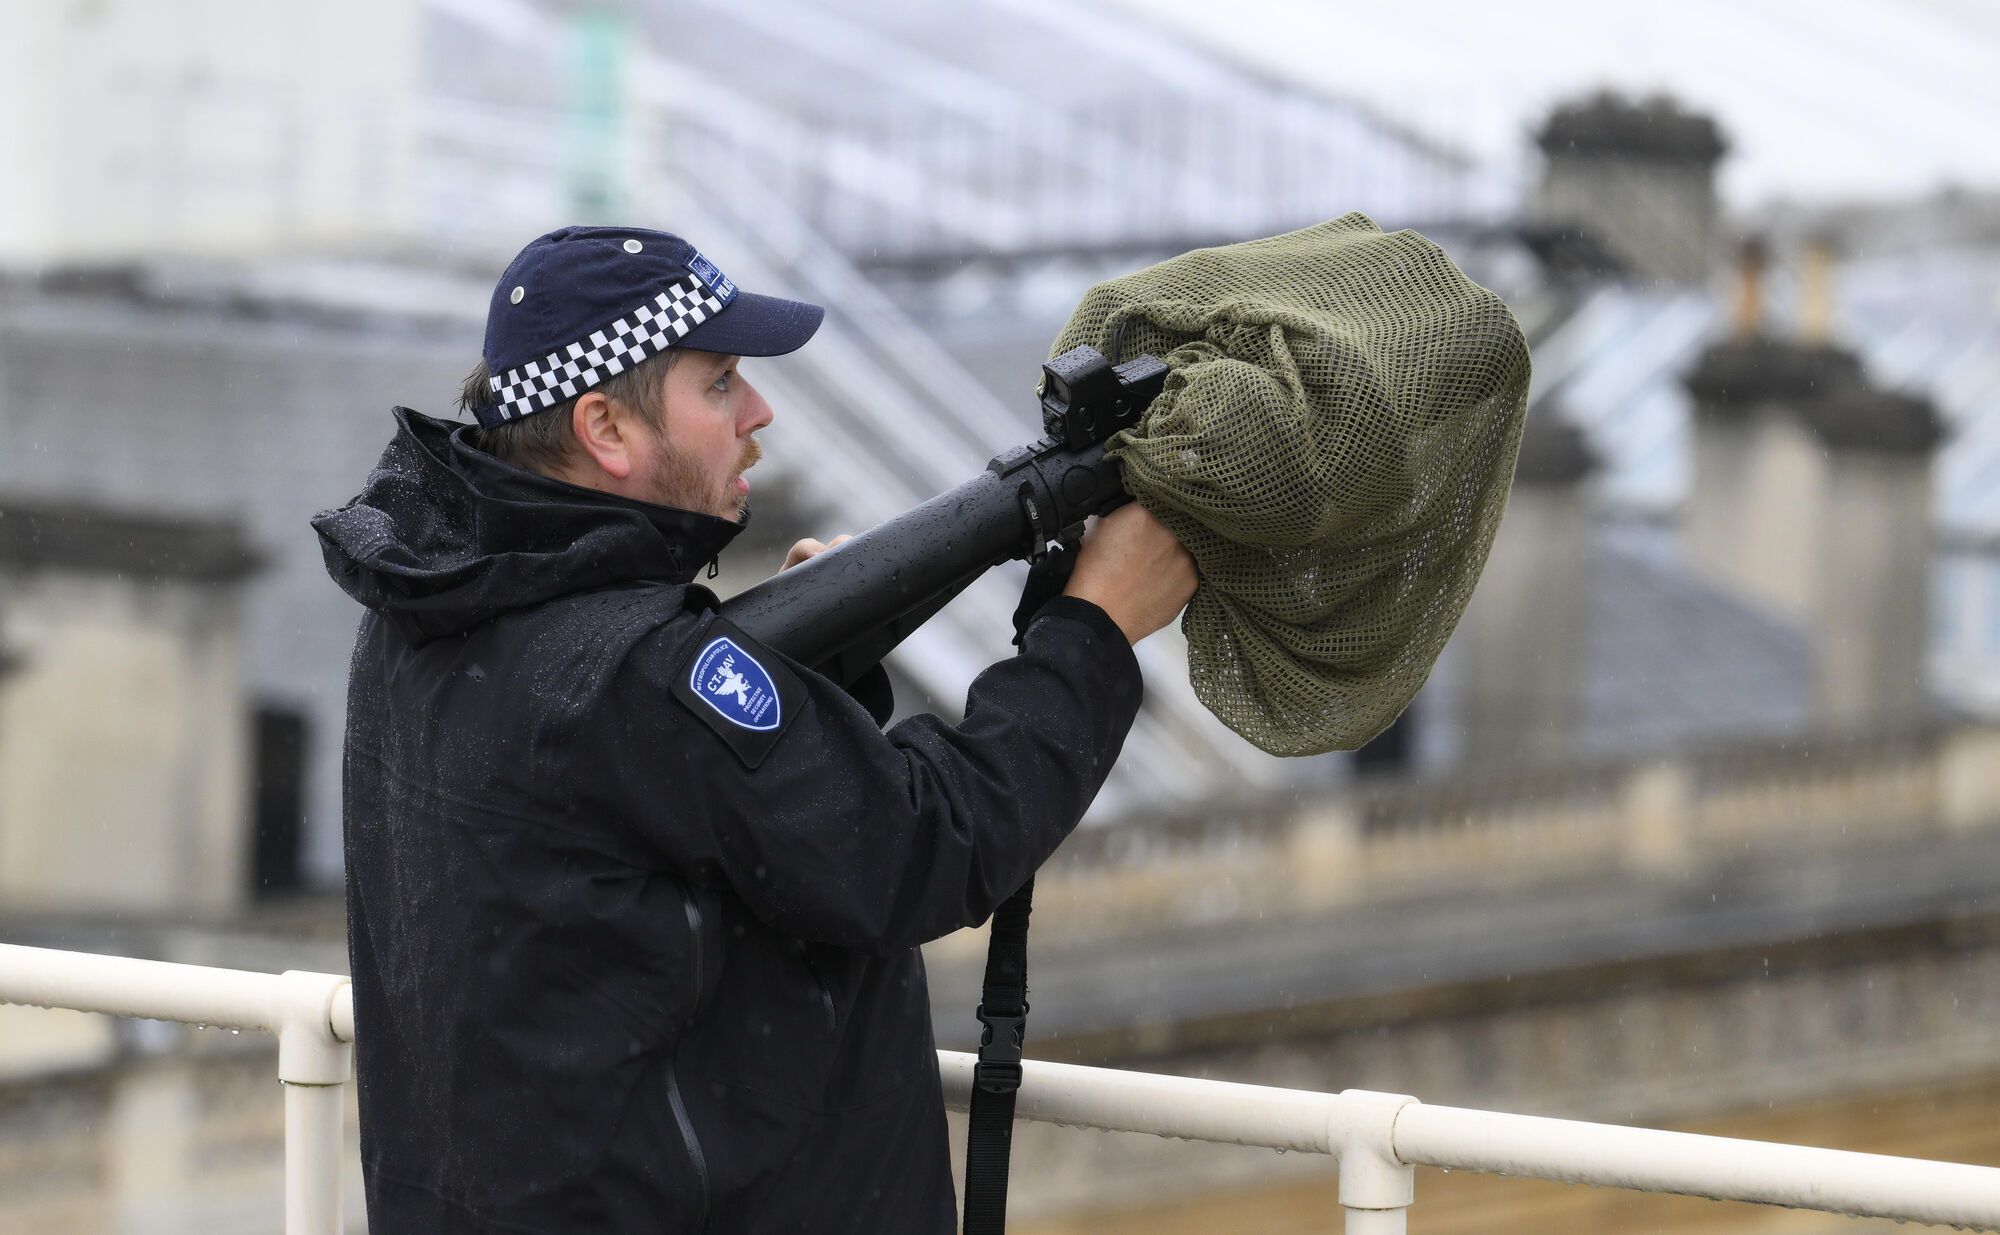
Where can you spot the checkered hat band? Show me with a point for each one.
(567, 372)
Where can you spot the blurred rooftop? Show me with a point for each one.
(1870, 99)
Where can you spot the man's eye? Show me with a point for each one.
(722, 383)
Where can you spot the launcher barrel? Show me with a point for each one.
(842, 611)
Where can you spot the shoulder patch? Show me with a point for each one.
(740, 690)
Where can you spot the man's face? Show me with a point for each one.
(710, 414)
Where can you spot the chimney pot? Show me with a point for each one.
(1816, 304)
(1749, 318)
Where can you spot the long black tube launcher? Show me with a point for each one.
(842, 611)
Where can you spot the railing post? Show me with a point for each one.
(313, 1118)
(1376, 1187)
(315, 1066)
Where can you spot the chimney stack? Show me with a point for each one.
(1520, 645)
(1811, 499)
(1638, 177)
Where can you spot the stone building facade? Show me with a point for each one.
(125, 743)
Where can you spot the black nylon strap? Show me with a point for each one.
(1003, 1011)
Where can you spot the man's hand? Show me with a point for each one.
(1131, 567)
(810, 548)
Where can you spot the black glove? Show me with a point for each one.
(1048, 575)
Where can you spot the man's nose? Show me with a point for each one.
(756, 412)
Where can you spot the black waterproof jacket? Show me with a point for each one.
(608, 975)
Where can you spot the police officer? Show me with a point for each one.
(633, 901)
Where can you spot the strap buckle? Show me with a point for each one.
(999, 1067)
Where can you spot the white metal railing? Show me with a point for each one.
(312, 1015)
(1379, 1139)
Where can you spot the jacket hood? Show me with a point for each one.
(445, 536)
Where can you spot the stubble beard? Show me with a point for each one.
(681, 483)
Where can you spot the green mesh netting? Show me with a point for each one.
(1334, 446)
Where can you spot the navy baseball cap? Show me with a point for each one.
(581, 305)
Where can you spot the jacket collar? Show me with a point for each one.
(445, 536)
(687, 540)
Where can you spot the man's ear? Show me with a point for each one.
(604, 430)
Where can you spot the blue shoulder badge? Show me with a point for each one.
(740, 690)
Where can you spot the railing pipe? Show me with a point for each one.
(1179, 1106)
(315, 1062)
(1377, 1138)
(1376, 1187)
(314, 1122)
(312, 1015)
(1720, 1168)
(1357, 1126)
(155, 990)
